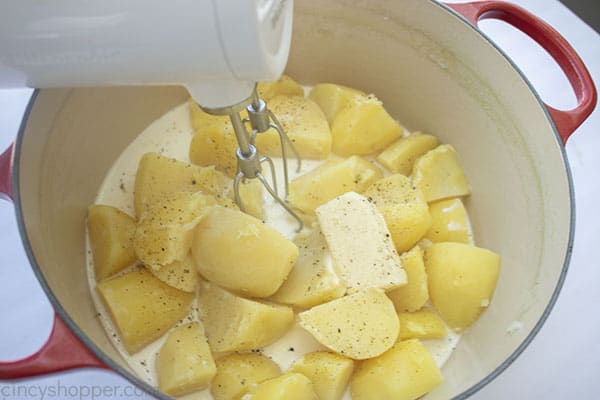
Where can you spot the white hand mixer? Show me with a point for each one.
(217, 49)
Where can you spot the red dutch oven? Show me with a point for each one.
(434, 70)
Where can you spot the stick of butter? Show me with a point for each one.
(360, 243)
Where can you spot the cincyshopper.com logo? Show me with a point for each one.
(58, 390)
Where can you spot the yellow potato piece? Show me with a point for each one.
(158, 176)
(285, 387)
(313, 280)
(333, 98)
(303, 122)
(359, 326)
(439, 175)
(363, 127)
(181, 275)
(201, 119)
(164, 233)
(251, 193)
(234, 323)
(332, 179)
(404, 208)
(450, 222)
(329, 373)
(111, 239)
(400, 156)
(462, 279)
(184, 363)
(415, 293)
(421, 325)
(238, 373)
(284, 86)
(405, 372)
(132, 300)
(241, 253)
(215, 145)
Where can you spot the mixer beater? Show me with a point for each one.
(249, 160)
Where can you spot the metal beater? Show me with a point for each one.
(249, 160)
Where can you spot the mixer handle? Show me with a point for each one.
(566, 121)
(63, 350)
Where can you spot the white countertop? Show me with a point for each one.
(562, 362)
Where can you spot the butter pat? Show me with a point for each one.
(360, 244)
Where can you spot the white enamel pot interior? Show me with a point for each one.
(433, 71)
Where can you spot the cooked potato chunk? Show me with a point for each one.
(284, 387)
(450, 222)
(333, 98)
(240, 253)
(405, 210)
(405, 372)
(331, 179)
(201, 119)
(329, 373)
(414, 294)
(111, 238)
(132, 300)
(216, 145)
(361, 325)
(400, 156)
(181, 275)
(313, 280)
(462, 279)
(284, 86)
(421, 325)
(233, 323)
(303, 122)
(363, 127)
(439, 175)
(185, 363)
(158, 176)
(238, 373)
(164, 233)
(251, 193)
(370, 261)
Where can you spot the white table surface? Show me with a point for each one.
(563, 362)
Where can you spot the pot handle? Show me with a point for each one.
(560, 50)
(62, 350)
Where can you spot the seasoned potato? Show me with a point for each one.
(181, 275)
(251, 193)
(329, 373)
(405, 372)
(233, 323)
(313, 280)
(405, 210)
(414, 294)
(363, 127)
(238, 373)
(111, 238)
(361, 325)
(450, 222)
(439, 175)
(164, 233)
(158, 176)
(421, 325)
(215, 145)
(201, 119)
(285, 387)
(303, 122)
(369, 262)
(331, 179)
(132, 302)
(462, 279)
(184, 363)
(284, 86)
(240, 253)
(333, 98)
(400, 156)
